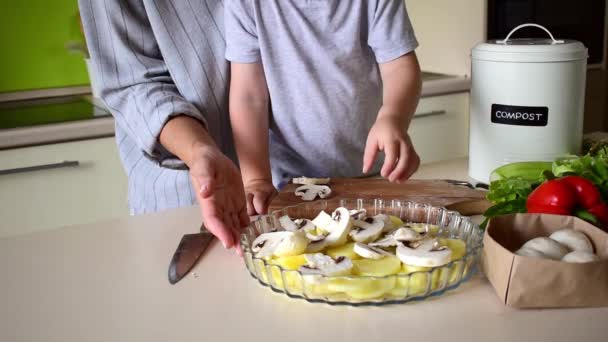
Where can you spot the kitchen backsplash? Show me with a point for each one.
(34, 39)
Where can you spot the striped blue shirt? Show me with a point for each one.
(155, 59)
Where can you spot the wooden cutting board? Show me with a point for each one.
(435, 192)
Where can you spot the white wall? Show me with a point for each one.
(447, 30)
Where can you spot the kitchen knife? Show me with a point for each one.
(476, 186)
(190, 249)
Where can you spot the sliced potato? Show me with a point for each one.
(458, 247)
(289, 262)
(362, 288)
(417, 281)
(397, 222)
(377, 267)
(277, 279)
(422, 227)
(346, 250)
(319, 290)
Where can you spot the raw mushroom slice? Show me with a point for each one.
(573, 239)
(369, 252)
(279, 244)
(265, 244)
(407, 234)
(425, 245)
(323, 221)
(366, 231)
(305, 225)
(427, 253)
(387, 241)
(388, 223)
(310, 192)
(403, 234)
(317, 246)
(316, 260)
(549, 247)
(309, 229)
(580, 257)
(358, 214)
(287, 224)
(319, 264)
(340, 226)
(310, 181)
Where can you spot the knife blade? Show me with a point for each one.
(474, 186)
(190, 249)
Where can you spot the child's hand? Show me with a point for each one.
(388, 135)
(259, 193)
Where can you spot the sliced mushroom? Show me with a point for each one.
(387, 241)
(580, 257)
(320, 264)
(425, 253)
(279, 244)
(340, 226)
(309, 229)
(358, 214)
(403, 234)
(369, 252)
(425, 244)
(310, 181)
(287, 224)
(388, 223)
(366, 231)
(573, 239)
(323, 221)
(407, 234)
(317, 246)
(550, 248)
(310, 192)
(305, 224)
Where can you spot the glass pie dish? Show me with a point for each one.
(356, 290)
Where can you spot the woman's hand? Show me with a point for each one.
(219, 189)
(400, 159)
(260, 193)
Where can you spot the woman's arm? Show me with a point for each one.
(139, 91)
(134, 80)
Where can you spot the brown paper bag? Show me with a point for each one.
(526, 282)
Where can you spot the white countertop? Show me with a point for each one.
(108, 282)
(103, 127)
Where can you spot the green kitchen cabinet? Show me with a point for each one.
(34, 38)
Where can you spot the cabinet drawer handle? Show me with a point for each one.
(67, 163)
(427, 114)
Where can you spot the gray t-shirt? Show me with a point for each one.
(320, 58)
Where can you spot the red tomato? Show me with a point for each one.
(538, 209)
(587, 195)
(552, 197)
(601, 212)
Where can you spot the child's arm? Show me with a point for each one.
(249, 116)
(401, 90)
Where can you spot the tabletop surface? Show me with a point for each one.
(108, 282)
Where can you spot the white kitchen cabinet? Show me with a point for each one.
(41, 188)
(440, 127)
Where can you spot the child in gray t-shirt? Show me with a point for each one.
(318, 87)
